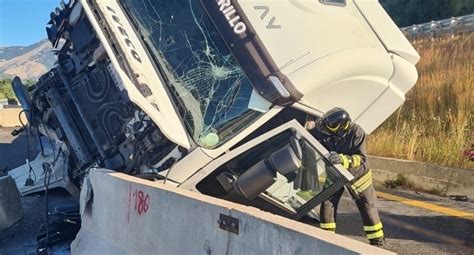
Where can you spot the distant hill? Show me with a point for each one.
(409, 12)
(10, 52)
(28, 62)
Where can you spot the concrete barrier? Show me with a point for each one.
(448, 180)
(9, 117)
(125, 215)
(11, 209)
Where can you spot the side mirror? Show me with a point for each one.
(287, 159)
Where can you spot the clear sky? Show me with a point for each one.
(23, 22)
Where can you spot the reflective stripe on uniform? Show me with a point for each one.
(345, 161)
(374, 227)
(328, 225)
(364, 186)
(362, 179)
(363, 182)
(356, 161)
(375, 235)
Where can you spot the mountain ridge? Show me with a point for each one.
(9, 52)
(27, 62)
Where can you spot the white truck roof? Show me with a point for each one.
(350, 55)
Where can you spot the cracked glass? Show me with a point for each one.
(216, 98)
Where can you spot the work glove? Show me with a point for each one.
(342, 159)
(334, 158)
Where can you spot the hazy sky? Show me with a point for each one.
(23, 22)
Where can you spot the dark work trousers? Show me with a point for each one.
(366, 203)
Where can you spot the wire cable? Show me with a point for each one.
(47, 177)
(28, 130)
(169, 170)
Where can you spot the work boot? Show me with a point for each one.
(378, 242)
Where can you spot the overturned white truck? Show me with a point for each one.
(213, 95)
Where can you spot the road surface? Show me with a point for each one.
(415, 229)
(413, 223)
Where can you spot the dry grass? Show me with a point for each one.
(436, 122)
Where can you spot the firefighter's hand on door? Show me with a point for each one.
(334, 158)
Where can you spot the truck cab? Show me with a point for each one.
(213, 95)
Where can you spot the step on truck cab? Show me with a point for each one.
(212, 95)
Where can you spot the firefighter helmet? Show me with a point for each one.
(336, 122)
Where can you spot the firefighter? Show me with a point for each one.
(345, 142)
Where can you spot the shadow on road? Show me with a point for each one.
(423, 228)
(21, 237)
(14, 150)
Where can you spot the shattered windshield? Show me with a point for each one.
(208, 83)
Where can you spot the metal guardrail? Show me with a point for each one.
(454, 25)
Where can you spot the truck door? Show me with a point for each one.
(284, 171)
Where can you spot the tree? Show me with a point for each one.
(6, 90)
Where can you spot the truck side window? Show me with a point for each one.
(264, 171)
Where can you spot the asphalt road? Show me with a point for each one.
(426, 228)
(21, 238)
(13, 150)
(414, 230)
